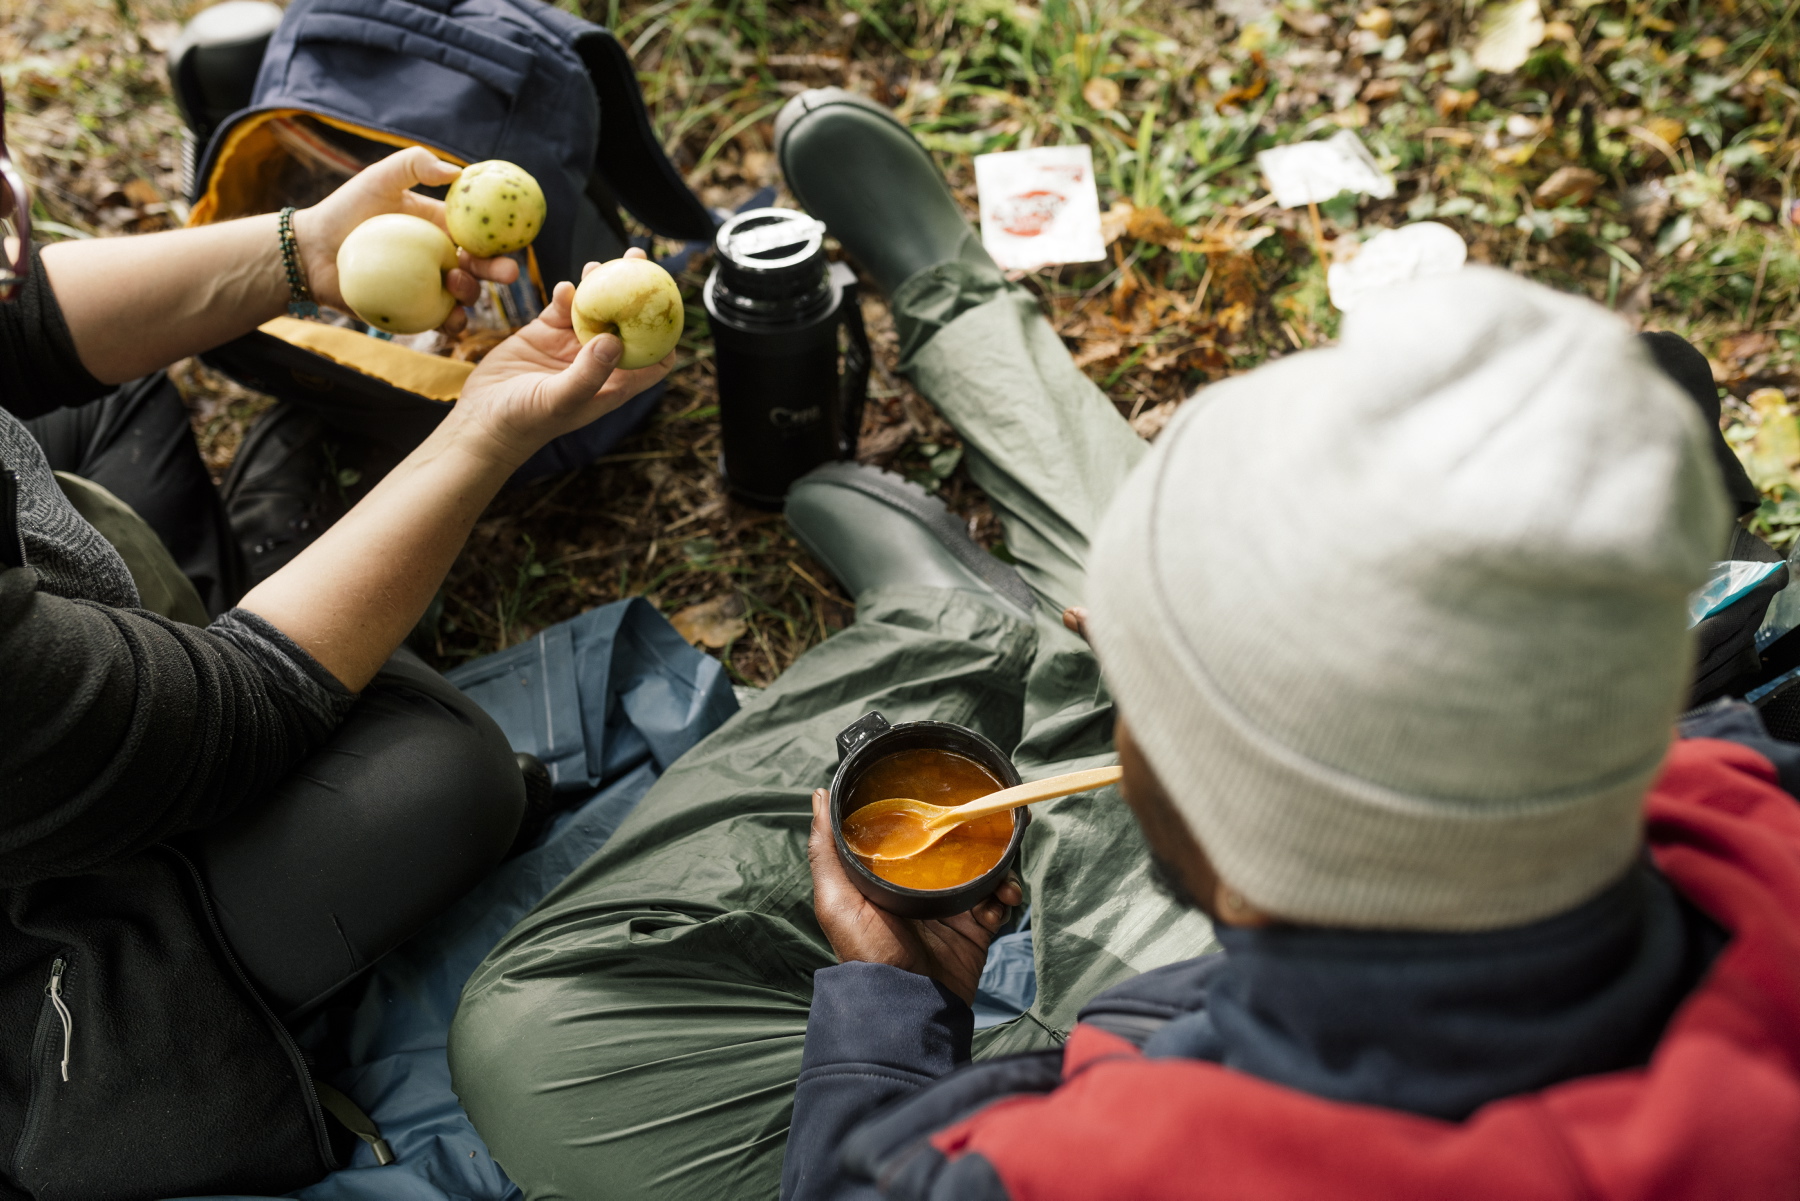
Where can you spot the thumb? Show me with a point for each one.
(581, 380)
(417, 165)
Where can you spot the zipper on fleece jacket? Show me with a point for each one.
(314, 1110)
(53, 990)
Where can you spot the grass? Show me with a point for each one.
(1644, 155)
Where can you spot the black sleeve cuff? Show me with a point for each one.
(39, 369)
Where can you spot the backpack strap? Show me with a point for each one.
(630, 158)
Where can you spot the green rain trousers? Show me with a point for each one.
(639, 1033)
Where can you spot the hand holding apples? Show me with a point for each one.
(544, 380)
(382, 188)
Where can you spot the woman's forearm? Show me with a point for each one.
(136, 304)
(351, 597)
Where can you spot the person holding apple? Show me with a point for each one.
(208, 828)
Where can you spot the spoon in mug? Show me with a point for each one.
(901, 827)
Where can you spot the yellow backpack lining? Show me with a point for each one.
(238, 187)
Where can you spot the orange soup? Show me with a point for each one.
(937, 778)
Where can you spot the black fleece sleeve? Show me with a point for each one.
(119, 728)
(39, 369)
(876, 1034)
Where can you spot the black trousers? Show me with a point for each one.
(411, 801)
(136, 443)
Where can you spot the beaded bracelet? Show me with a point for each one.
(300, 299)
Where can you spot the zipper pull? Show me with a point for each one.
(54, 991)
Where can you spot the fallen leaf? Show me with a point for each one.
(713, 623)
(1115, 221)
(1711, 47)
(141, 192)
(1424, 37)
(1307, 25)
(1150, 422)
(1378, 21)
(1775, 447)
(1571, 185)
(1742, 355)
(1377, 90)
(1451, 103)
(1244, 94)
(1509, 33)
(1101, 93)
(1668, 129)
(1560, 31)
(1153, 225)
(1099, 352)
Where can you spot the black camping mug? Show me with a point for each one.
(871, 738)
(776, 306)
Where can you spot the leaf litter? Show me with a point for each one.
(1641, 152)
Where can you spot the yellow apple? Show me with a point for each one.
(494, 207)
(638, 301)
(391, 273)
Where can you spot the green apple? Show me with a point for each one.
(638, 301)
(391, 273)
(494, 207)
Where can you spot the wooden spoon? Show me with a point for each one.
(901, 827)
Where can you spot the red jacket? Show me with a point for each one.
(1715, 1114)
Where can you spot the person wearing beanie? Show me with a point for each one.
(1410, 888)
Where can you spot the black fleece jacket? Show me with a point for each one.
(160, 1073)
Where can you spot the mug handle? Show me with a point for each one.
(859, 732)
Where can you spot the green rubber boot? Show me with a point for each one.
(872, 529)
(857, 169)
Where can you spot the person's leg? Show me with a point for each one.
(1044, 443)
(639, 1033)
(413, 800)
(137, 444)
(1049, 449)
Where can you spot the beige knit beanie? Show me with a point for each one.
(1401, 625)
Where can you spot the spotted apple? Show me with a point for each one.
(635, 299)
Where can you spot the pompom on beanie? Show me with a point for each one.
(1401, 624)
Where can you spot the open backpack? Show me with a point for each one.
(345, 82)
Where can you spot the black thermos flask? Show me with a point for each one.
(776, 305)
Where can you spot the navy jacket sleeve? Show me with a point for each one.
(1735, 721)
(876, 1035)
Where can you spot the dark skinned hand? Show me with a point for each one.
(951, 951)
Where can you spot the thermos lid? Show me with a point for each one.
(772, 255)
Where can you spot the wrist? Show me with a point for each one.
(478, 437)
(315, 255)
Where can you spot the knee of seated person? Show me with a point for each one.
(451, 761)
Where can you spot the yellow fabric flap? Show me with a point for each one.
(426, 374)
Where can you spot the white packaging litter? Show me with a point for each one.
(1310, 172)
(1394, 256)
(1039, 207)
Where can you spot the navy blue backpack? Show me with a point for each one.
(345, 82)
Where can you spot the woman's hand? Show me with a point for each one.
(386, 187)
(542, 381)
(952, 951)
